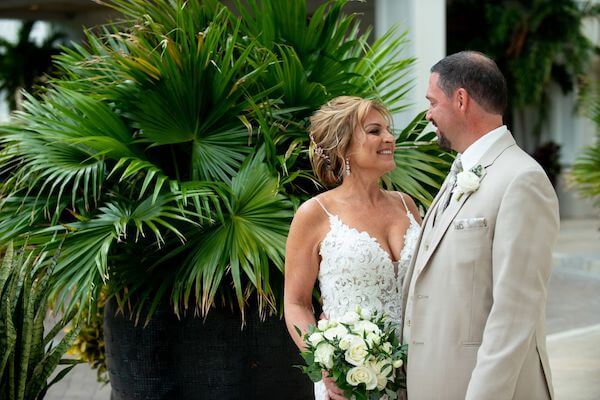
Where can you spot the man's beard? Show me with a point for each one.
(443, 142)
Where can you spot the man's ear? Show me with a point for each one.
(462, 98)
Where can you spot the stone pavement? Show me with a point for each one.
(573, 313)
(575, 363)
(573, 323)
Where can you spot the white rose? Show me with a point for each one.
(335, 332)
(350, 318)
(381, 381)
(357, 352)
(366, 327)
(315, 338)
(382, 367)
(387, 347)
(324, 354)
(398, 363)
(347, 340)
(362, 374)
(323, 324)
(467, 181)
(373, 338)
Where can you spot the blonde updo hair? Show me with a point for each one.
(330, 131)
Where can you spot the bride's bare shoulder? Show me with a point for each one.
(313, 211)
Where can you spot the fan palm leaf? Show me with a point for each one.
(245, 245)
(586, 172)
(88, 245)
(189, 87)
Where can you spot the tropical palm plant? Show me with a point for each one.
(172, 151)
(585, 174)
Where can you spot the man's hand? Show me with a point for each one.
(334, 392)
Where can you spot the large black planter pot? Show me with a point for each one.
(196, 359)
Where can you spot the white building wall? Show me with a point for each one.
(573, 131)
(425, 21)
(72, 27)
(9, 30)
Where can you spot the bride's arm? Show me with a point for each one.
(301, 268)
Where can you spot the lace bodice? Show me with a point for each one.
(356, 270)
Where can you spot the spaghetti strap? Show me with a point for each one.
(323, 207)
(403, 202)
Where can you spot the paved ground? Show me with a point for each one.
(573, 323)
(575, 363)
(573, 313)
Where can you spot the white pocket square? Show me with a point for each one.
(470, 223)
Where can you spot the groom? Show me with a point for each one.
(475, 293)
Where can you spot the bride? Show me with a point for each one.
(356, 239)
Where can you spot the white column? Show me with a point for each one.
(8, 31)
(573, 132)
(425, 21)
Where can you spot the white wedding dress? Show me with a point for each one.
(356, 270)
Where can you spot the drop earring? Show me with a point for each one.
(347, 166)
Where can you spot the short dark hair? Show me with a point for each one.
(477, 74)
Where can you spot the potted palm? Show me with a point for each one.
(170, 156)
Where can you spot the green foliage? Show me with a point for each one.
(27, 357)
(420, 164)
(585, 174)
(23, 64)
(370, 340)
(534, 42)
(89, 346)
(172, 151)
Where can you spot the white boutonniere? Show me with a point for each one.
(468, 181)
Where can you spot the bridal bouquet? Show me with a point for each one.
(361, 353)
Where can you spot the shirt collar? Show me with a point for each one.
(471, 156)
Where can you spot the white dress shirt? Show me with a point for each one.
(471, 156)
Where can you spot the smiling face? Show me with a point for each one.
(442, 112)
(372, 145)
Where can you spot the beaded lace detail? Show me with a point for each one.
(356, 270)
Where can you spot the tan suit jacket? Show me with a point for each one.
(478, 317)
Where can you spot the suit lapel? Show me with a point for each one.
(438, 231)
(441, 226)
